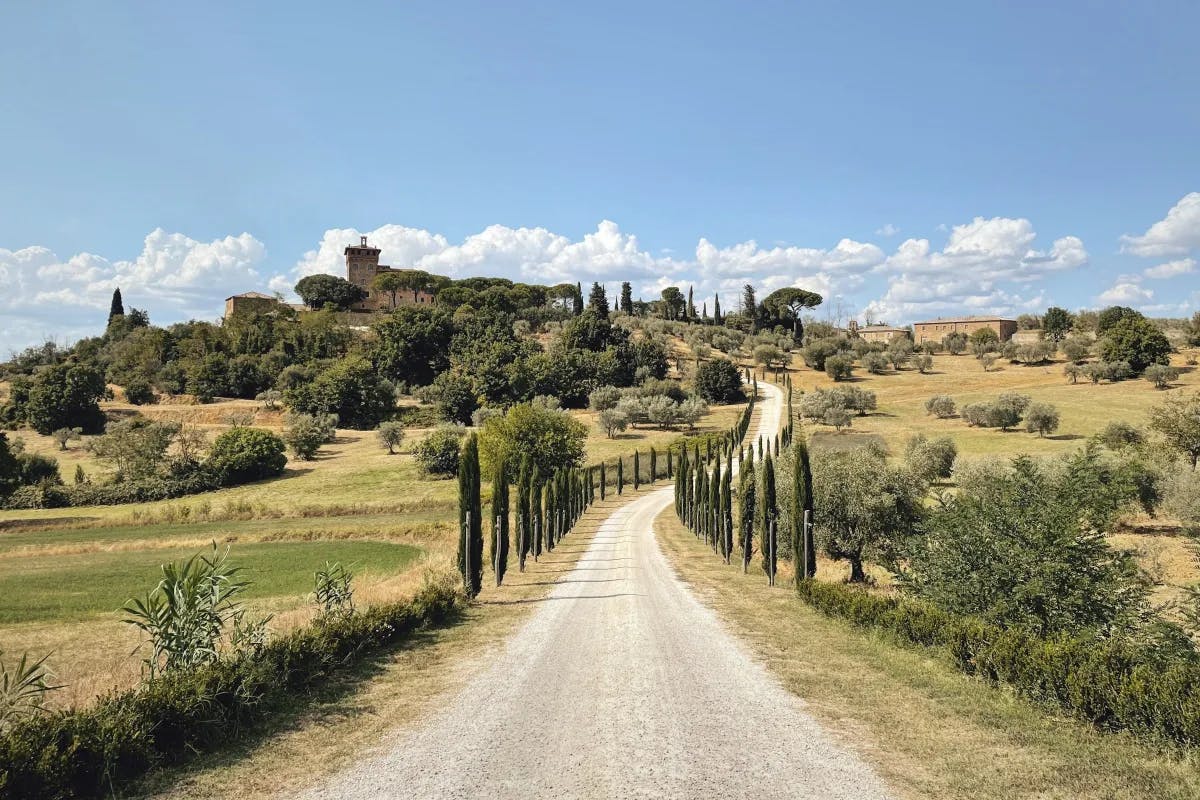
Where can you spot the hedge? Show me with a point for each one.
(167, 721)
(1112, 683)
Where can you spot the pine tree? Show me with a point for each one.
(117, 307)
(470, 519)
(746, 506)
(499, 531)
(626, 298)
(717, 320)
(767, 514)
(598, 300)
(637, 470)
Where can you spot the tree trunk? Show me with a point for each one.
(856, 571)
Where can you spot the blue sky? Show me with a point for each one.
(909, 159)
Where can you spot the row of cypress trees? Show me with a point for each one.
(547, 508)
(704, 501)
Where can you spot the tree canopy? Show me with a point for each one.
(318, 291)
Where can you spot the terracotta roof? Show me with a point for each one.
(964, 319)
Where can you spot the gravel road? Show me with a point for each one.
(621, 685)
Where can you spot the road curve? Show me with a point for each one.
(621, 685)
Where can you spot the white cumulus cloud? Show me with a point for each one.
(1125, 293)
(1174, 235)
(1171, 269)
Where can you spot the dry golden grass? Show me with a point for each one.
(1085, 408)
(932, 732)
(395, 690)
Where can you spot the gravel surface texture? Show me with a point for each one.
(621, 685)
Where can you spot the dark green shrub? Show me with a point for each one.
(437, 453)
(140, 393)
(240, 455)
(718, 381)
(1113, 683)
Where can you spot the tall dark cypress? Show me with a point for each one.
(714, 507)
(524, 528)
(117, 307)
(653, 465)
(767, 514)
(637, 471)
(537, 516)
(746, 508)
(808, 549)
(499, 531)
(670, 466)
(551, 512)
(620, 474)
(717, 319)
(577, 300)
(603, 482)
(470, 519)
(626, 298)
(726, 523)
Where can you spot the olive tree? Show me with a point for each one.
(865, 508)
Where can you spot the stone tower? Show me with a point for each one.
(362, 264)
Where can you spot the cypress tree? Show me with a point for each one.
(767, 514)
(536, 521)
(691, 306)
(626, 298)
(523, 518)
(551, 513)
(637, 471)
(653, 465)
(808, 546)
(670, 466)
(598, 300)
(704, 312)
(746, 507)
(714, 507)
(620, 474)
(577, 300)
(603, 482)
(117, 307)
(470, 519)
(726, 523)
(499, 531)
(717, 320)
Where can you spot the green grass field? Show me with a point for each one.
(79, 586)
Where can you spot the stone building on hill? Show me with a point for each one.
(875, 333)
(935, 330)
(362, 265)
(251, 303)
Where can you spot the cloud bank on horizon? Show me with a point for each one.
(987, 265)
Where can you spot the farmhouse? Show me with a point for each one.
(362, 265)
(250, 303)
(935, 330)
(876, 333)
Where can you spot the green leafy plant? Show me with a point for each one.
(187, 613)
(335, 590)
(23, 689)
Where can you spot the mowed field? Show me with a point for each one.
(67, 572)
